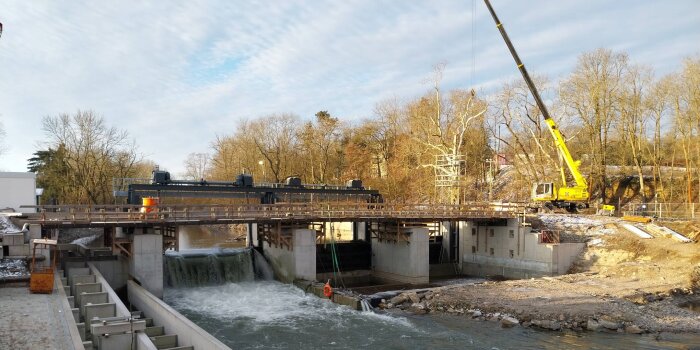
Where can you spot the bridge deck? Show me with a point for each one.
(131, 215)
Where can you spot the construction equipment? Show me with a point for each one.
(551, 195)
(41, 278)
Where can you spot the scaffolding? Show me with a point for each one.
(449, 178)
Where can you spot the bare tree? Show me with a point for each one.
(441, 126)
(274, 137)
(634, 117)
(592, 94)
(197, 166)
(94, 154)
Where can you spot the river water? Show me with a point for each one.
(247, 310)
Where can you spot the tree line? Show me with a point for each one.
(625, 124)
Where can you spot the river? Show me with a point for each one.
(248, 313)
(269, 314)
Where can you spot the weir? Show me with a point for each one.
(381, 243)
(205, 267)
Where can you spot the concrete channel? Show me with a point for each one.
(101, 320)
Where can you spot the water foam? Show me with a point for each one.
(269, 303)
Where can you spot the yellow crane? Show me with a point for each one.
(570, 197)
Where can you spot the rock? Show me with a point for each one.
(418, 308)
(609, 324)
(476, 313)
(428, 296)
(507, 322)
(399, 299)
(547, 324)
(633, 329)
(414, 298)
(493, 319)
(526, 324)
(561, 317)
(389, 305)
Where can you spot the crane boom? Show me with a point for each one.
(565, 195)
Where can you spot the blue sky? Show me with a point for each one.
(175, 74)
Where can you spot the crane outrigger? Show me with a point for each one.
(564, 196)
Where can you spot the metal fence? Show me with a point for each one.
(674, 211)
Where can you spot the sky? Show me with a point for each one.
(177, 74)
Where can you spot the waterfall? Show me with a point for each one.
(204, 267)
(366, 306)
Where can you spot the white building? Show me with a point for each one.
(17, 189)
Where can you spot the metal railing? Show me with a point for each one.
(675, 211)
(184, 214)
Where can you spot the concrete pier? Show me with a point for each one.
(299, 262)
(147, 262)
(402, 261)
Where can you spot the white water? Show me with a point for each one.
(246, 312)
(269, 314)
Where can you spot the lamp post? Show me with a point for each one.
(262, 165)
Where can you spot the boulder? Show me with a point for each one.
(414, 298)
(547, 324)
(476, 313)
(399, 299)
(507, 322)
(609, 324)
(633, 329)
(592, 325)
(418, 308)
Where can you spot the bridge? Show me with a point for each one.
(71, 216)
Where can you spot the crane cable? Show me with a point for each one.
(471, 76)
(334, 255)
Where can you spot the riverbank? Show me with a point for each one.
(619, 283)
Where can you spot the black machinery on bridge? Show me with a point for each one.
(292, 190)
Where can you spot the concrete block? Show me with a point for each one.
(81, 330)
(155, 331)
(71, 301)
(165, 341)
(34, 232)
(19, 250)
(13, 239)
(81, 288)
(75, 271)
(81, 279)
(66, 289)
(99, 311)
(87, 345)
(76, 314)
(1, 252)
(92, 298)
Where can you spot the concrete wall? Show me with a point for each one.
(17, 189)
(115, 272)
(566, 254)
(147, 262)
(403, 262)
(188, 333)
(297, 263)
(512, 251)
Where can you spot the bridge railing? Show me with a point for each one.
(102, 214)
